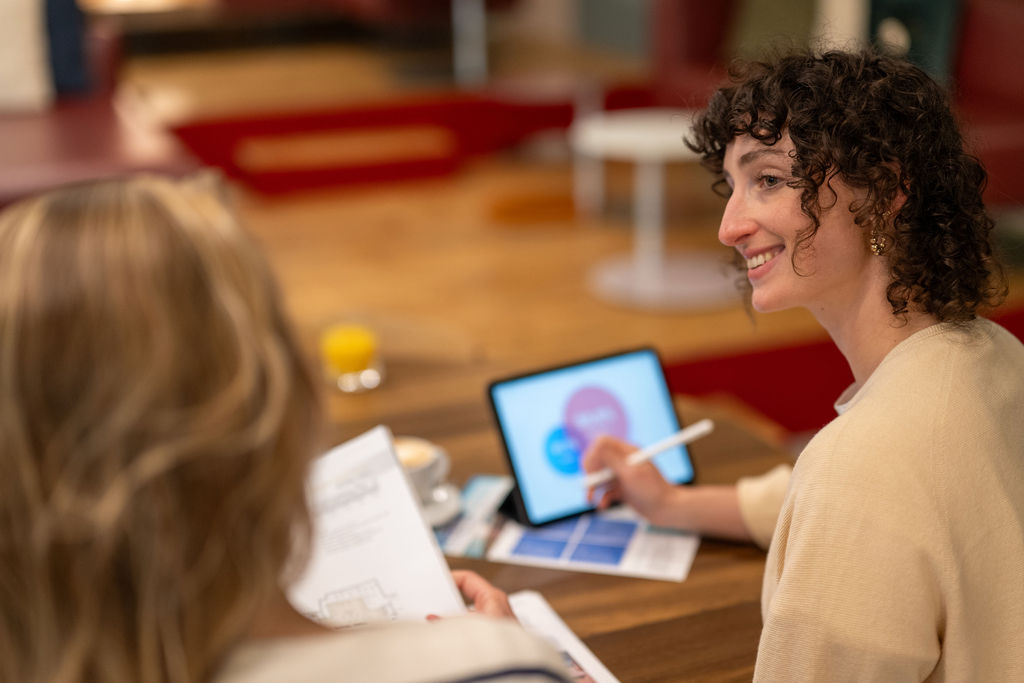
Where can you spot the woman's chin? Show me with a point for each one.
(764, 303)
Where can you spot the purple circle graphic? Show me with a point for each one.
(592, 411)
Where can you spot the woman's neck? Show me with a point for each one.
(867, 332)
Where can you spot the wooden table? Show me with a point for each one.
(704, 629)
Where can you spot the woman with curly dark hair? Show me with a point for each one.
(896, 544)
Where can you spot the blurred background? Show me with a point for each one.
(411, 165)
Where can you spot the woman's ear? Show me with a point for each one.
(902, 188)
(898, 201)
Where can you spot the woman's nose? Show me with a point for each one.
(737, 223)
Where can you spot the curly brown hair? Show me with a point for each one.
(883, 125)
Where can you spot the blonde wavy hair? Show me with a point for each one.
(156, 424)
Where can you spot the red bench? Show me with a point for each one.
(989, 93)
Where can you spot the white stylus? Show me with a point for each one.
(683, 436)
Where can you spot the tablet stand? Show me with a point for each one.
(508, 506)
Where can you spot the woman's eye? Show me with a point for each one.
(769, 180)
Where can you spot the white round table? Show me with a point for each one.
(649, 278)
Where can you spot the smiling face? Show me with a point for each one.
(832, 272)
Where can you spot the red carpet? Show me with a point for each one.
(407, 137)
(795, 386)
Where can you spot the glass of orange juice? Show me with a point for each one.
(349, 353)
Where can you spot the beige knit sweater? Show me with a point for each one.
(898, 554)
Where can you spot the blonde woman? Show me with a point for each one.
(156, 423)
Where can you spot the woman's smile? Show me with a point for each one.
(759, 261)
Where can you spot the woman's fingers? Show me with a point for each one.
(485, 598)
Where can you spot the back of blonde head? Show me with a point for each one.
(156, 421)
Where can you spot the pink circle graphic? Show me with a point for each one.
(592, 411)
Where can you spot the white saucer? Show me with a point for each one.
(444, 506)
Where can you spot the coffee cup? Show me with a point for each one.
(425, 463)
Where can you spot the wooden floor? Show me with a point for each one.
(488, 263)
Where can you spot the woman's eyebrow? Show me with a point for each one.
(756, 154)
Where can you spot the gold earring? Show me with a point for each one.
(878, 243)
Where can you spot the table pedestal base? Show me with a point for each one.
(681, 281)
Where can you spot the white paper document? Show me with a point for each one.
(373, 557)
(615, 541)
(537, 616)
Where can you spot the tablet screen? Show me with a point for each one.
(548, 418)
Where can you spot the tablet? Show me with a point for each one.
(548, 417)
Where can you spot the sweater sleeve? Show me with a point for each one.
(760, 501)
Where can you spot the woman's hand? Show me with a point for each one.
(707, 510)
(481, 595)
(642, 486)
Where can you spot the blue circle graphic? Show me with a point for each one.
(564, 451)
